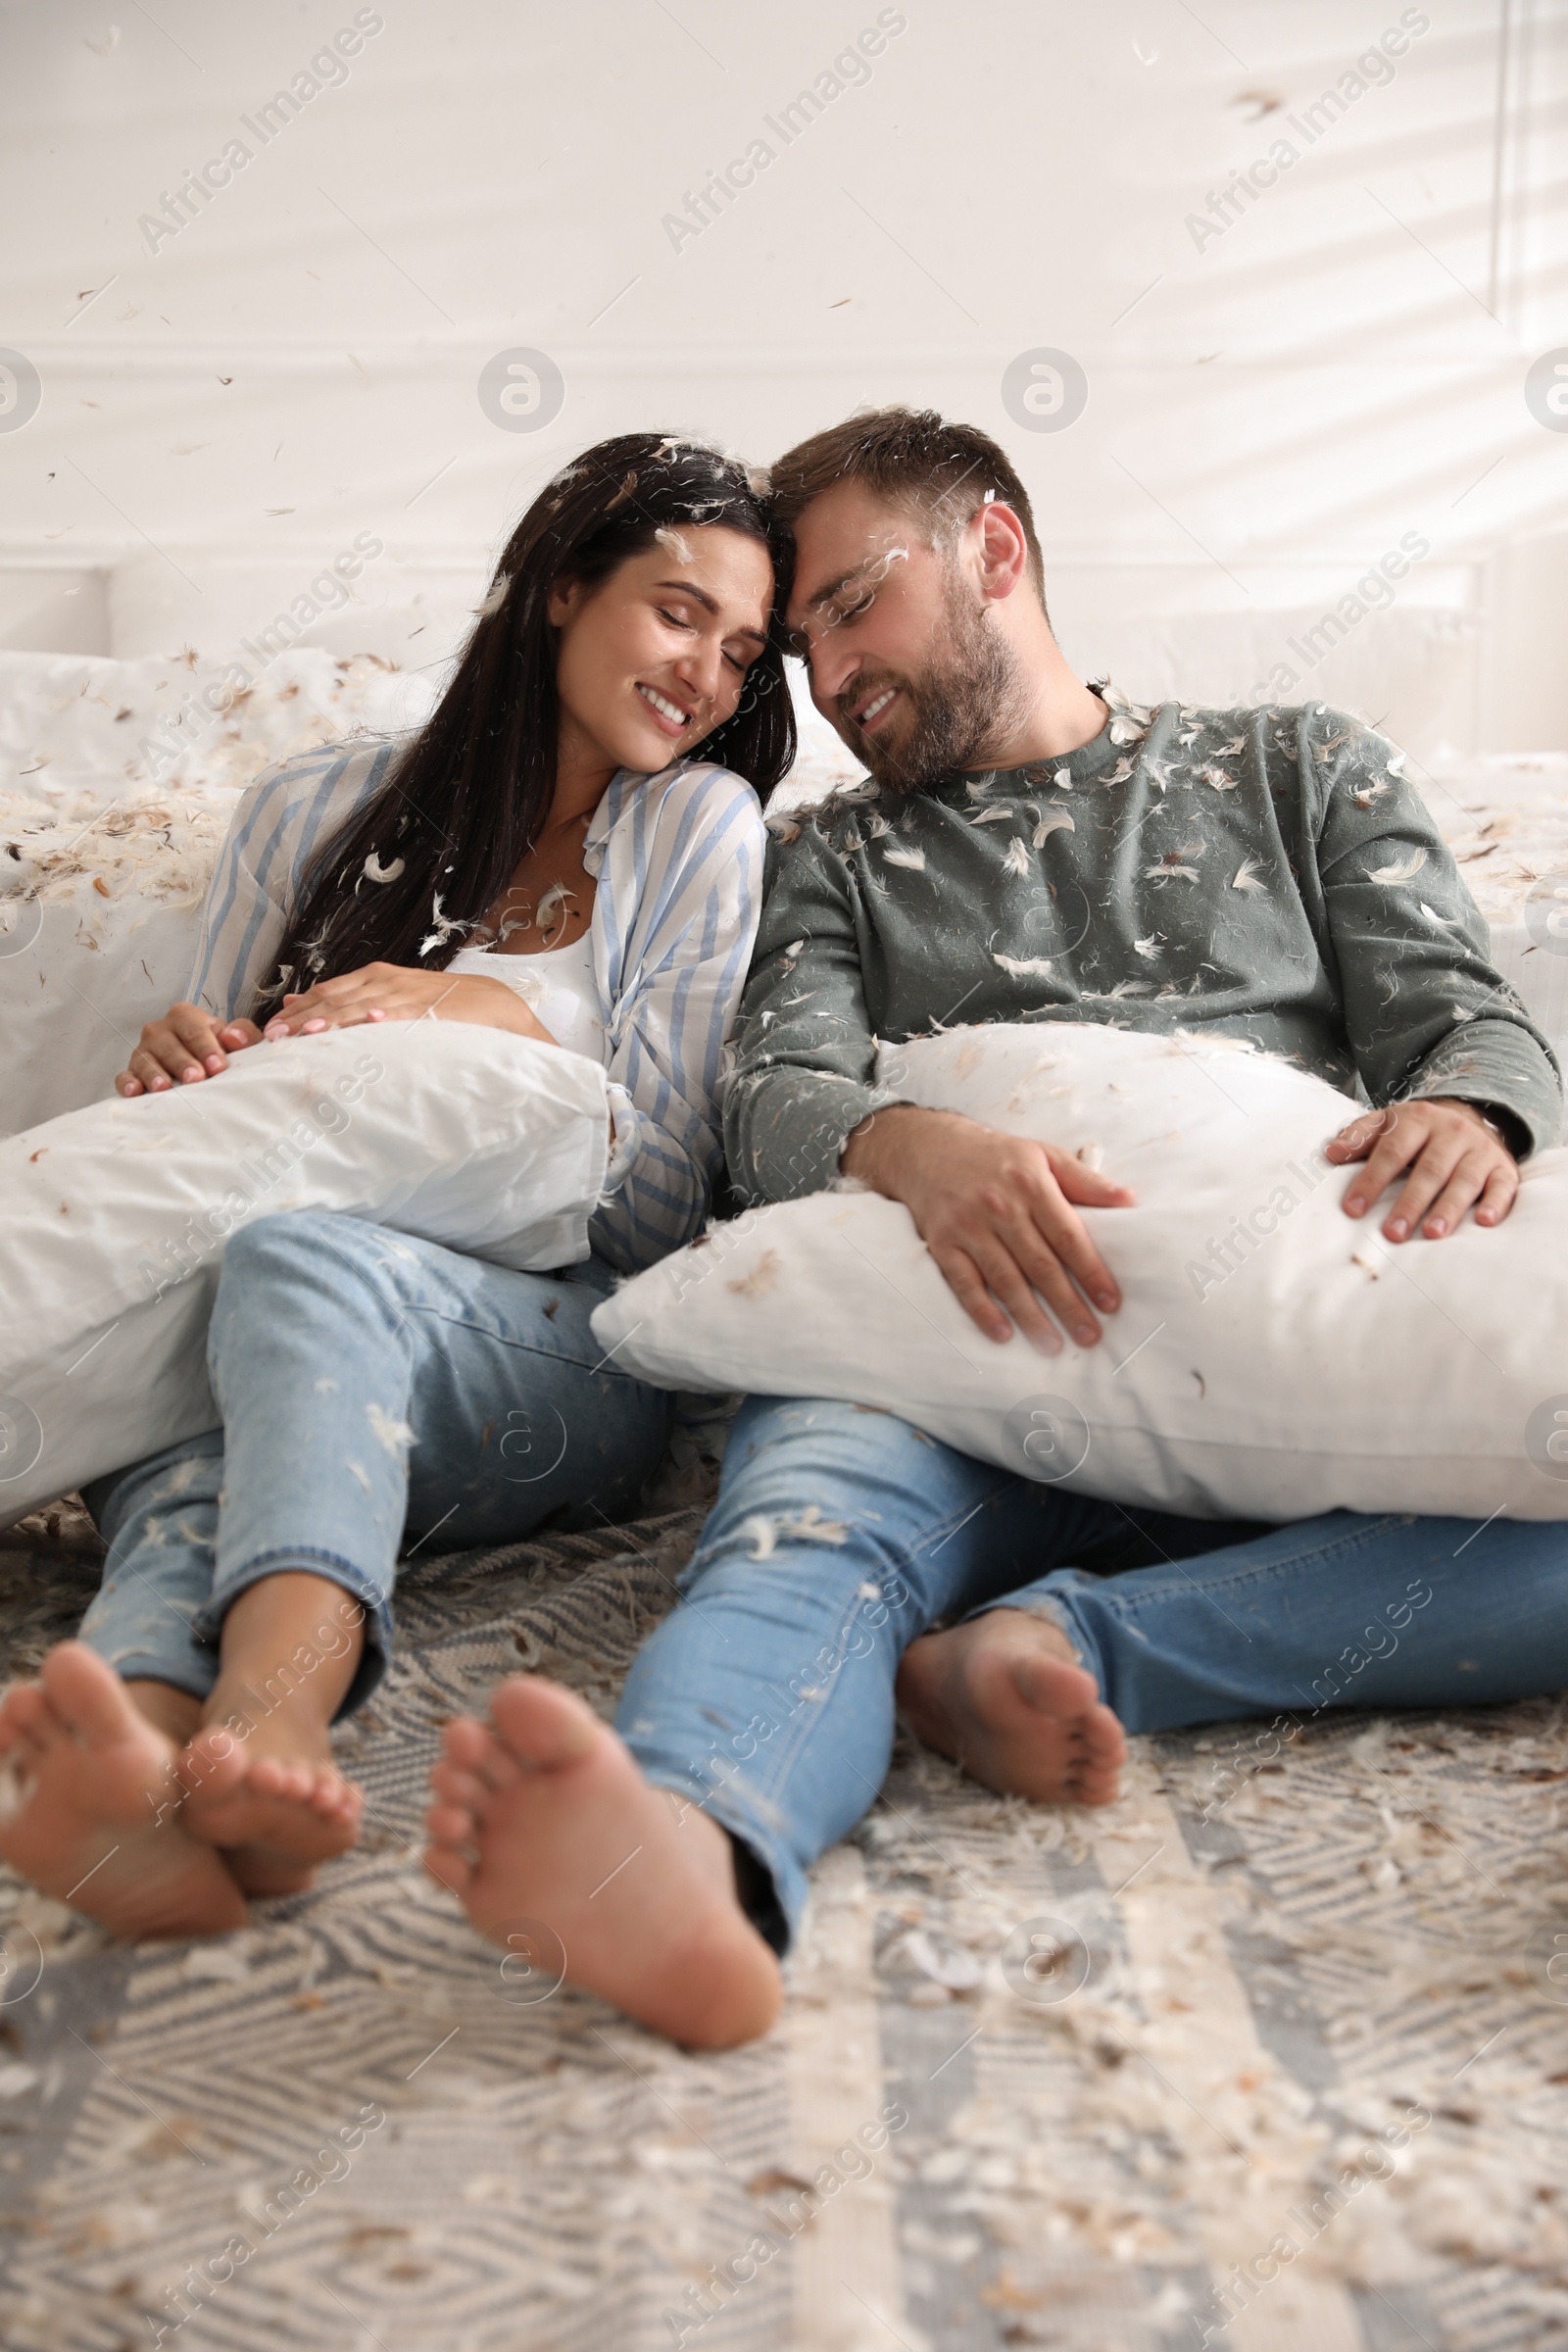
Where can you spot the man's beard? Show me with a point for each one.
(952, 711)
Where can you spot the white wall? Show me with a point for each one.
(1272, 405)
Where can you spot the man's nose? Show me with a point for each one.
(832, 663)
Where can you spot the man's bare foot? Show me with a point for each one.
(547, 1818)
(1003, 1696)
(95, 1817)
(274, 1802)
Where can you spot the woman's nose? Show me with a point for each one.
(700, 668)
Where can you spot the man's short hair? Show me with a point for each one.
(916, 460)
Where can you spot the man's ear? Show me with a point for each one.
(1002, 548)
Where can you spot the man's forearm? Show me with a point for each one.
(785, 1129)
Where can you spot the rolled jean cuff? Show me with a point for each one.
(299, 1560)
(769, 1883)
(1052, 1598)
(196, 1676)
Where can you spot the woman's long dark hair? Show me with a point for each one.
(413, 871)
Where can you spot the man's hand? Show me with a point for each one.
(187, 1044)
(1451, 1157)
(395, 992)
(996, 1214)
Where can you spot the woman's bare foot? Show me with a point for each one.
(274, 1802)
(547, 1818)
(263, 1784)
(97, 1818)
(1003, 1696)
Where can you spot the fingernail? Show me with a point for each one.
(1107, 1299)
(192, 1070)
(276, 1029)
(311, 1028)
(1436, 1228)
(215, 1062)
(1355, 1205)
(1086, 1334)
(1397, 1229)
(158, 1083)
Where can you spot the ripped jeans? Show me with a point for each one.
(372, 1386)
(841, 1534)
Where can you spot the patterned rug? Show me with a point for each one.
(1271, 2054)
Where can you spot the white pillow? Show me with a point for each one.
(113, 1218)
(1323, 1369)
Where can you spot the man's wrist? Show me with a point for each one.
(861, 1154)
(1505, 1124)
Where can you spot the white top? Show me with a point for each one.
(558, 986)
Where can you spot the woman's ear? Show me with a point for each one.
(565, 595)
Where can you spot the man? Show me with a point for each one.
(1028, 849)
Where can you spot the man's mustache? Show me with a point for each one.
(864, 690)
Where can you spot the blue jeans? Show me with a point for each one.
(371, 1385)
(841, 1534)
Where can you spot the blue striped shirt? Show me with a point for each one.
(677, 859)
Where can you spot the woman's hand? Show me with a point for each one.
(395, 992)
(187, 1044)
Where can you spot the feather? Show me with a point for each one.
(1120, 772)
(1123, 988)
(1396, 764)
(1149, 948)
(444, 928)
(1017, 861)
(1216, 776)
(1168, 873)
(876, 824)
(1229, 751)
(1063, 779)
(991, 816)
(553, 903)
(495, 599)
(914, 860)
(1022, 967)
(1246, 876)
(1368, 794)
(1403, 868)
(376, 871)
(1055, 820)
(1444, 922)
(782, 827)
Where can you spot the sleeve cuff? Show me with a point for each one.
(624, 1119)
(810, 1116)
(1500, 1066)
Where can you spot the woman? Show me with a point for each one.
(545, 856)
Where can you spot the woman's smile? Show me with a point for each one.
(668, 715)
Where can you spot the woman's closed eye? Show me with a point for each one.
(677, 622)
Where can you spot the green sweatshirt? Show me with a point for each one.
(1270, 873)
